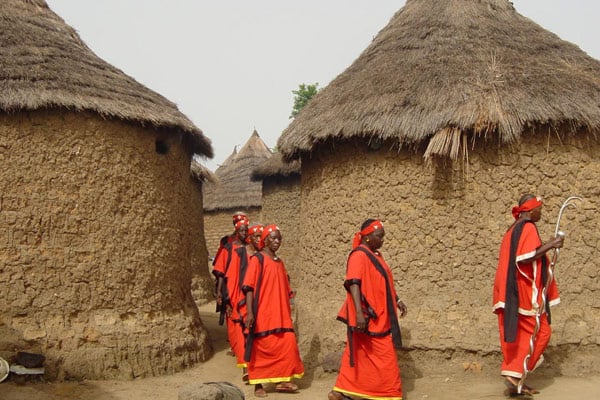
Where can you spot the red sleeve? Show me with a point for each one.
(529, 241)
(356, 266)
(221, 262)
(251, 273)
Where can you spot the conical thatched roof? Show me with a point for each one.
(234, 188)
(44, 64)
(445, 70)
(276, 166)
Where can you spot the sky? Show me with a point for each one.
(231, 65)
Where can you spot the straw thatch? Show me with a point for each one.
(235, 189)
(444, 73)
(276, 166)
(44, 64)
(201, 173)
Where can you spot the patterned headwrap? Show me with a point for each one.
(239, 216)
(527, 206)
(373, 226)
(252, 230)
(265, 232)
(238, 224)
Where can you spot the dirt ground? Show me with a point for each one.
(221, 367)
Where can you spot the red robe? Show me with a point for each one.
(274, 354)
(231, 273)
(529, 285)
(375, 373)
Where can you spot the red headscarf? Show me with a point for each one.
(239, 216)
(527, 206)
(252, 230)
(265, 232)
(372, 227)
(238, 224)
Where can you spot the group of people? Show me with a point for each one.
(254, 294)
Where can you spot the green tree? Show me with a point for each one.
(302, 96)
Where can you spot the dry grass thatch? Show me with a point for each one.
(234, 188)
(44, 64)
(276, 166)
(447, 69)
(201, 173)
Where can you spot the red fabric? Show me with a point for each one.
(275, 356)
(515, 353)
(372, 227)
(529, 275)
(232, 274)
(240, 223)
(375, 373)
(529, 284)
(527, 206)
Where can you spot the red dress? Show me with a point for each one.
(529, 284)
(375, 373)
(274, 354)
(228, 265)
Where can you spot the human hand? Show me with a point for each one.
(250, 320)
(558, 241)
(402, 308)
(228, 310)
(361, 323)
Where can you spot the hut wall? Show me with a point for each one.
(280, 205)
(202, 282)
(443, 231)
(96, 232)
(218, 223)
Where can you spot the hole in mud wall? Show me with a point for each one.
(162, 147)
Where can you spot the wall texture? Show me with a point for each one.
(280, 205)
(96, 238)
(443, 231)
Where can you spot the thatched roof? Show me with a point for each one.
(201, 173)
(275, 166)
(44, 64)
(235, 189)
(445, 70)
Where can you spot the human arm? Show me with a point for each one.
(361, 322)
(249, 309)
(401, 307)
(552, 243)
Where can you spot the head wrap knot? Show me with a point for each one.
(526, 206)
(372, 227)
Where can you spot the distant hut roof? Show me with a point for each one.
(44, 64)
(235, 189)
(276, 166)
(201, 173)
(445, 68)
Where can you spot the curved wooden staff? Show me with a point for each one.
(568, 203)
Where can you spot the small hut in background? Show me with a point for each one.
(234, 191)
(280, 204)
(99, 216)
(202, 281)
(454, 110)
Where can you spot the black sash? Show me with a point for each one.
(224, 292)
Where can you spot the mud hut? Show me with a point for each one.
(98, 212)
(202, 281)
(280, 204)
(453, 111)
(234, 191)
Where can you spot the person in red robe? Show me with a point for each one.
(227, 273)
(369, 366)
(520, 278)
(271, 348)
(237, 217)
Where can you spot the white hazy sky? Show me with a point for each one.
(231, 65)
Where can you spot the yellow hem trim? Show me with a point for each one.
(244, 365)
(365, 396)
(275, 380)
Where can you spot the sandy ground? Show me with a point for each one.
(221, 367)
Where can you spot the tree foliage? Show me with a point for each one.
(302, 95)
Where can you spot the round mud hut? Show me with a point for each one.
(99, 214)
(234, 191)
(453, 111)
(280, 204)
